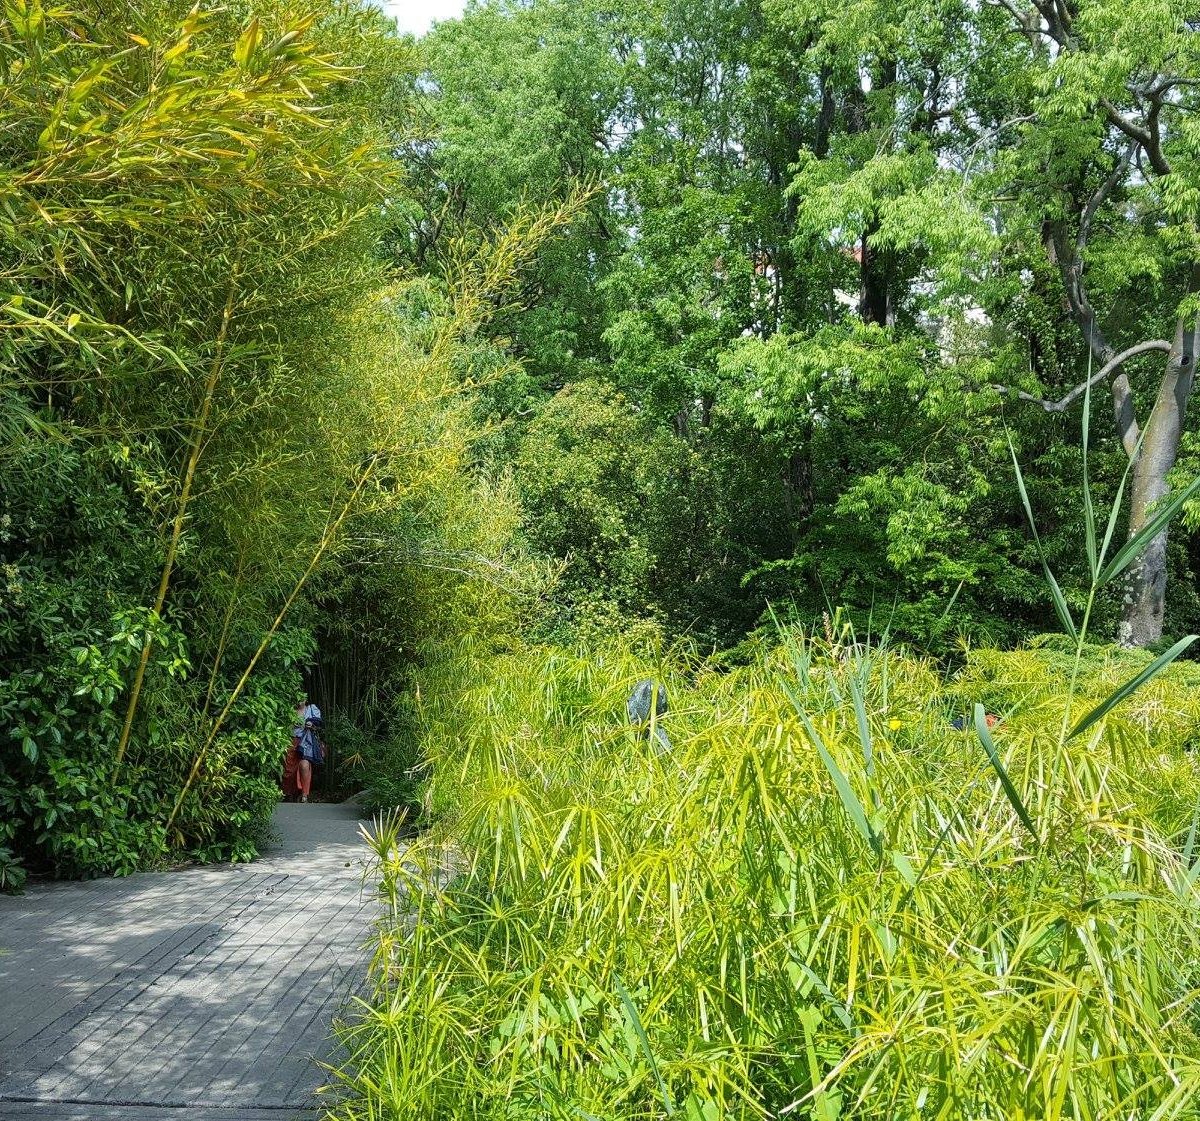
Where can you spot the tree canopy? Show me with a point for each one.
(843, 255)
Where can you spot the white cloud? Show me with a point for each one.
(417, 16)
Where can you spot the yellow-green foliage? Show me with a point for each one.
(597, 929)
(218, 405)
(1153, 732)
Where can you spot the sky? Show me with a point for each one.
(416, 16)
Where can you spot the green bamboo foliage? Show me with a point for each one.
(195, 317)
(187, 227)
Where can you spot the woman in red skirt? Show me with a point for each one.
(291, 761)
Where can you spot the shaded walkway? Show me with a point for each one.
(202, 994)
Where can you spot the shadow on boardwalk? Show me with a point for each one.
(203, 994)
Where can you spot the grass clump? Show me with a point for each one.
(823, 902)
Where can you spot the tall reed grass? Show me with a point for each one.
(823, 903)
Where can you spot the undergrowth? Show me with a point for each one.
(823, 902)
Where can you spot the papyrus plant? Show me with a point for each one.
(593, 929)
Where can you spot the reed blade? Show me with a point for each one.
(1006, 783)
(1149, 673)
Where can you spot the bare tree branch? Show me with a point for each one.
(1163, 85)
(1097, 200)
(1069, 261)
(1147, 136)
(1028, 22)
(1064, 16)
(1051, 13)
(1105, 371)
(1070, 268)
(1128, 127)
(1058, 19)
(1154, 128)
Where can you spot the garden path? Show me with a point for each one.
(203, 994)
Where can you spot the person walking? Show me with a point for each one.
(307, 747)
(291, 763)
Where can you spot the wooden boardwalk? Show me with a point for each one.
(204, 994)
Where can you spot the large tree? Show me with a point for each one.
(1113, 135)
(1032, 152)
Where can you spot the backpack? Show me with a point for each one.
(312, 742)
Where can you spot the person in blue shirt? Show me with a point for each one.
(307, 744)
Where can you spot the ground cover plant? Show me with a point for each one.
(824, 901)
(834, 880)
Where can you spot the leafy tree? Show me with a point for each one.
(1028, 156)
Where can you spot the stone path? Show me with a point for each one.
(203, 994)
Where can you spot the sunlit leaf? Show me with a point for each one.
(1136, 545)
(246, 44)
(1060, 603)
(845, 792)
(1010, 791)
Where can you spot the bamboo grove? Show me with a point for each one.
(217, 398)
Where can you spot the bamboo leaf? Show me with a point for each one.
(1060, 603)
(950, 604)
(941, 838)
(246, 44)
(1115, 512)
(180, 48)
(1190, 844)
(864, 728)
(1152, 670)
(1010, 791)
(904, 866)
(1136, 545)
(86, 82)
(27, 19)
(836, 1006)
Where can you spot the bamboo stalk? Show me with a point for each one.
(189, 475)
(224, 639)
(327, 538)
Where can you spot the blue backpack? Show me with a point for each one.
(310, 745)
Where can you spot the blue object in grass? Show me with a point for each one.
(637, 708)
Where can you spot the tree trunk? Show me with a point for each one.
(1145, 596)
(875, 295)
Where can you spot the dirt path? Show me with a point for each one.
(202, 994)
